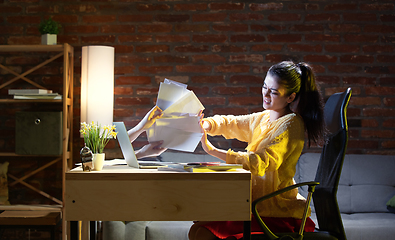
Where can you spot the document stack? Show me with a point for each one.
(32, 94)
(179, 127)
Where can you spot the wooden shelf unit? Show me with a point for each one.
(66, 52)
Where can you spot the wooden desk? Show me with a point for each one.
(122, 193)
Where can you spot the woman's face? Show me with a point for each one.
(274, 95)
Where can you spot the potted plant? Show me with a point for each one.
(49, 30)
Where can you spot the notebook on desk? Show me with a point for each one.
(128, 151)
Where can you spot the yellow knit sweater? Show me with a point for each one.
(272, 153)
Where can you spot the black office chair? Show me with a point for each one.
(330, 225)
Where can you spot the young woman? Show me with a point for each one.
(293, 106)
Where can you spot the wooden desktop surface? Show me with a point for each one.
(121, 193)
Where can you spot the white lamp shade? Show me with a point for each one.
(97, 85)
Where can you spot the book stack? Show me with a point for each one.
(32, 94)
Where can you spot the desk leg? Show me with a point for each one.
(247, 230)
(93, 230)
(73, 230)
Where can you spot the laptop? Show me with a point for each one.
(128, 151)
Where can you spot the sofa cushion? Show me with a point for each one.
(366, 184)
(168, 230)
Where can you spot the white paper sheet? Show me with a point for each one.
(179, 127)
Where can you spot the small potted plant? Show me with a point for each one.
(49, 30)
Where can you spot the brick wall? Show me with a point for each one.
(222, 50)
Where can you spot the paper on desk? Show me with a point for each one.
(179, 127)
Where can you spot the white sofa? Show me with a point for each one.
(366, 184)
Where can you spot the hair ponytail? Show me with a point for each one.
(299, 78)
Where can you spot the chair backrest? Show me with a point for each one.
(330, 165)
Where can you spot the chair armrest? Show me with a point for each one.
(265, 229)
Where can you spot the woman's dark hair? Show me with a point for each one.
(299, 78)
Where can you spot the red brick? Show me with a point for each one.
(152, 7)
(99, 19)
(24, 19)
(152, 48)
(190, 48)
(246, 79)
(365, 101)
(344, 48)
(199, 91)
(170, 59)
(181, 79)
(12, 30)
(322, 38)
(389, 123)
(212, 38)
(133, 80)
(344, 68)
(274, 58)
(136, 18)
(362, 144)
(131, 101)
(267, 28)
(388, 144)
(304, 48)
(81, 29)
(327, 79)
(308, 28)
(42, 9)
(208, 58)
(98, 39)
(377, 133)
(10, 9)
(388, 39)
(304, 6)
(266, 6)
(341, 6)
(390, 102)
(320, 58)
(230, 110)
(284, 17)
(229, 90)
(208, 79)
(80, 8)
(284, 38)
(118, 90)
(322, 17)
(360, 80)
(150, 91)
(24, 40)
(379, 29)
(356, 59)
(209, 17)
(230, 27)
(245, 101)
(123, 49)
(117, 29)
(155, 28)
(378, 112)
(194, 68)
(386, 58)
(369, 123)
(226, 6)
(228, 48)
(362, 38)
(135, 38)
(155, 69)
(266, 47)
(377, 7)
(387, 81)
(378, 48)
(192, 28)
(190, 7)
(232, 68)
(236, 17)
(209, 101)
(377, 70)
(246, 58)
(172, 18)
(348, 28)
(380, 91)
(172, 38)
(384, 17)
(124, 69)
(353, 17)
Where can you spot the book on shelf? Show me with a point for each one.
(28, 91)
(53, 96)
